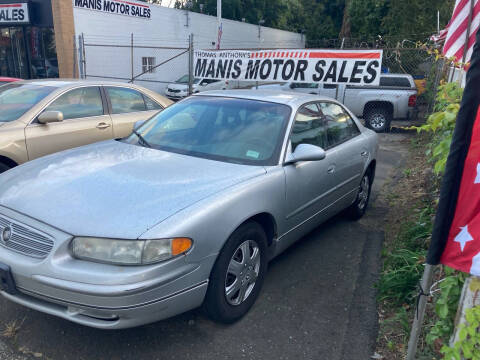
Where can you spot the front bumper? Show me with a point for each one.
(114, 318)
(100, 295)
(175, 96)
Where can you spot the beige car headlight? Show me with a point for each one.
(129, 252)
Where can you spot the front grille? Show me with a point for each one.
(174, 90)
(23, 239)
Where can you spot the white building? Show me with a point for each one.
(105, 29)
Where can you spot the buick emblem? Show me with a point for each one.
(6, 234)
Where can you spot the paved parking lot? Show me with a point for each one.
(318, 302)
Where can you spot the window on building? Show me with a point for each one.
(148, 64)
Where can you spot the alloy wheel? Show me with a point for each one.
(242, 272)
(363, 193)
(378, 121)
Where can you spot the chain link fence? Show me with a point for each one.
(156, 63)
(153, 63)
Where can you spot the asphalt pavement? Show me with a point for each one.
(318, 302)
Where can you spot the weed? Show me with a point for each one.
(407, 172)
(12, 328)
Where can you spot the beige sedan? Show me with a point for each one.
(41, 117)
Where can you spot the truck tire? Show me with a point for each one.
(378, 119)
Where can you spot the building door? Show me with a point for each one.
(13, 53)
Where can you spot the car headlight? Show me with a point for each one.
(129, 252)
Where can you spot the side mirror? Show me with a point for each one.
(138, 124)
(50, 117)
(306, 152)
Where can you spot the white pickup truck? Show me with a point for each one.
(394, 98)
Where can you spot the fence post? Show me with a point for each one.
(131, 56)
(75, 64)
(190, 64)
(84, 59)
(438, 76)
(418, 320)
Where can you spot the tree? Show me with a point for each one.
(416, 19)
(407, 19)
(334, 19)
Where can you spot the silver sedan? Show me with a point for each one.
(186, 211)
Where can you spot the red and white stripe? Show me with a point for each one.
(457, 30)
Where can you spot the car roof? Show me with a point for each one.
(61, 83)
(9, 79)
(395, 75)
(294, 99)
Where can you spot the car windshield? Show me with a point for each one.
(185, 78)
(17, 99)
(227, 129)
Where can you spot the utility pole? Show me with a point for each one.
(219, 23)
(190, 64)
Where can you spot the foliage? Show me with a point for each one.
(404, 266)
(468, 345)
(446, 305)
(442, 123)
(323, 19)
(414, 17)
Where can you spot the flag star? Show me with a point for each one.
(477, 179)
(463, 237)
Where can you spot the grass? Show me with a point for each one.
(12, 328)
(403, 266)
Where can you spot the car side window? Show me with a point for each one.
(339, 125)
(78, 103)
(304, 85)
(125, 100)
(151, 104)
(309, 127)
(208, 81)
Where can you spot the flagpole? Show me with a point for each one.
(467, 38)
(420, 313)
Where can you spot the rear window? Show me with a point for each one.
(395, 82)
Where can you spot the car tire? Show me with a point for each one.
(378, 119)
(4, 167)
(359, 207)
(233, 267)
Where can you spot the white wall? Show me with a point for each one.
(169, 28)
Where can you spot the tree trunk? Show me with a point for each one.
(345, 31)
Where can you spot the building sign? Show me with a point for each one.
(358, 67)
(120, 7)
(16, 13)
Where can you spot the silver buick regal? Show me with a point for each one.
(186, 211)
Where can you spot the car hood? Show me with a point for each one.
(114, 189)
(183, 87)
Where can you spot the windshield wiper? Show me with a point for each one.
(142, 139)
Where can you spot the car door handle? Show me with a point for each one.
(103, 126)
(364, 153)
(331, 170)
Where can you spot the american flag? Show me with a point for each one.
(457, 29)
(456, 233)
